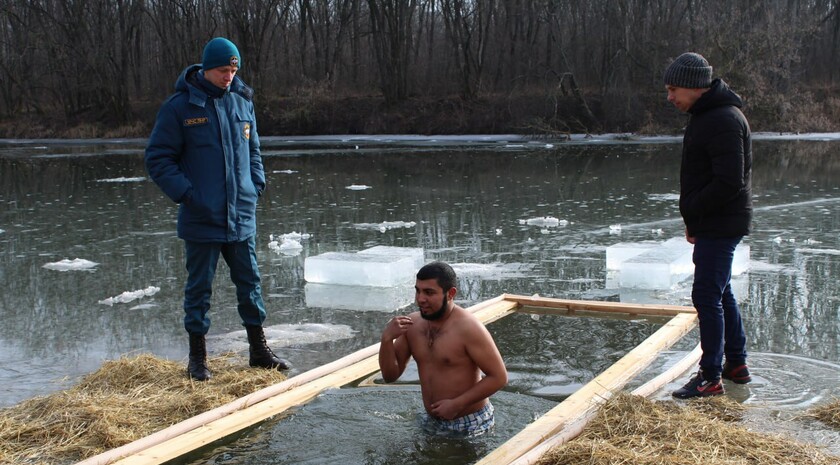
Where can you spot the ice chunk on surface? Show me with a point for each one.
(363, 298)
(353, 269)
(77, 264)
(283, 335)
(130, 296)
(658, 268)
(620, 252)
(660, 265)
(741, 259)
(415, 253)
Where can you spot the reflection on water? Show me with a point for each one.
(375, 425)
(465, 204)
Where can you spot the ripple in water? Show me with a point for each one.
(783, 389)
(374, 425)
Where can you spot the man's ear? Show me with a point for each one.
(451, 293)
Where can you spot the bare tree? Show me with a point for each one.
(391, 40)
(254, 26)
(94, 60)
(467, 27)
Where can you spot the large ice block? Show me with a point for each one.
(678, 243)
(658, 268)
(415, 253)
(659, 265)
(355, 269)
(618, 253)
(363, 298)
(741, 259)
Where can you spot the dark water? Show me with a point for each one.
(464, 203)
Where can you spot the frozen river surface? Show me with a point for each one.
(92, 268)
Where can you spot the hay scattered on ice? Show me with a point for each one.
(634, 430)
(828, 413)
(123, 401)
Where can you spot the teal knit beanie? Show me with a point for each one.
(220, 52)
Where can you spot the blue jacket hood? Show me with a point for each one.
(187, 82)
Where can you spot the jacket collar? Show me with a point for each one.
(719, 94)
(188, 82)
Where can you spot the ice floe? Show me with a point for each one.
(386, 225)
(664, 197)
(285, 335)
(77, 264)
(287, 247)
(545, 221)
(138, 179)
(287, 244)
(492, 270)
(130, 296)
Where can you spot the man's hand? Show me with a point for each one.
(690, 239)
(396, 328)
(446, 409)
(394, 351)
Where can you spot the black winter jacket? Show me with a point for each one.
(715, 176)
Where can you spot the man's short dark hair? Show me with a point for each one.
(443, 273)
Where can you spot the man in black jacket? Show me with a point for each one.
(716, 206)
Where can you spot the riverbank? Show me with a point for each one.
(529, 113)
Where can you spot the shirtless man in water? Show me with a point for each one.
(451, 348)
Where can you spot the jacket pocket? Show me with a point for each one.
(245, 126)
(197, 207)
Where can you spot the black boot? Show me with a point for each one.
(197, 368)
(260, 355)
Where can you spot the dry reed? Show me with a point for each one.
(634, 430)
(123, 401)
(133, 397)
(828, 413)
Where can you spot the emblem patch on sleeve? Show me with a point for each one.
(246, 130)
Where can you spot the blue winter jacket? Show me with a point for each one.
(204, 153)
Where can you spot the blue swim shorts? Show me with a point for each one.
(474, 424)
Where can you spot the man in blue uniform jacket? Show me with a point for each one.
(204, 153)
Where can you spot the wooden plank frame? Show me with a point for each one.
(183, 438)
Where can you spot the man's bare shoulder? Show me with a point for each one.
(460, 312)
(417, 323)
(466, 320)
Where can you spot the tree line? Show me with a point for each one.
(100, 59)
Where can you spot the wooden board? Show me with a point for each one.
(238, 420)
(572, 307)
(592, 395)
(224, 410)
(573, 429)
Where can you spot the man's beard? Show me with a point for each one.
(438, 314)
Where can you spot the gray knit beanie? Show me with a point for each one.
(689, 70)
